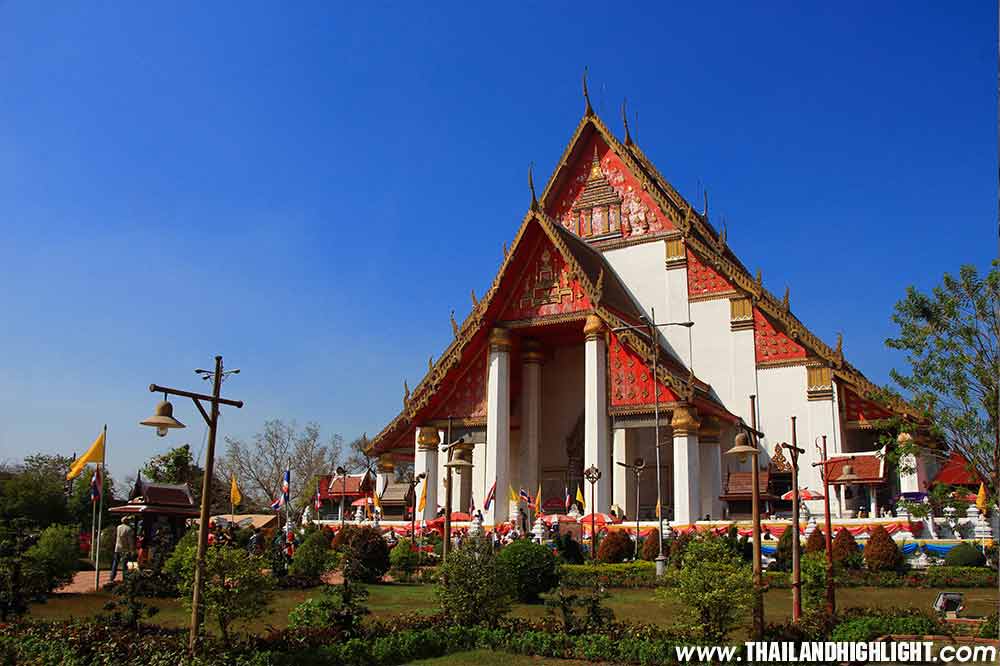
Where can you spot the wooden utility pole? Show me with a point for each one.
(794, 450)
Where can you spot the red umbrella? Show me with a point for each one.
(601, 519)
(554, 518)
(361, 501)
(460, 516)
(804, 494)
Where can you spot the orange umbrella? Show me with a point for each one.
(804, 494)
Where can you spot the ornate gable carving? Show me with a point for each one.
(547, 287)
(468, 398)
(631, 378)
(600, 198)
(704, 280)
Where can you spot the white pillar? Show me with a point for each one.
(531, 413)
(498, 425)
(912, 470)
(426, 461)
(710, 469)
(687, 495)
(624, 480)
(841, 501)
(385, 471)
(873, 508)
(596, 450)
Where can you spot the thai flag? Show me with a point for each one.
(283, 498)
(317, 503)
(569, 501)
(276, 505)
(525, 497)
(490, 496)
(95, 485)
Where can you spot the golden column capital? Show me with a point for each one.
(428, 438)
(386, 464)
(684, 420)
(531, 351)
(593, 327)
(499, 339)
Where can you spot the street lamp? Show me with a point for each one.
(593, 475)
(794, 450)
(650, 330)
(636, 469)
(746, 445)
(162, 420)
(849, 475)
(342, 473)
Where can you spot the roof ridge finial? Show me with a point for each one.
(406, 393)
(589, 111)
(454, 324)
(705, 214)
(628, 135)
(786, 301)
(531, 186)
(475, 301)
(840, 345)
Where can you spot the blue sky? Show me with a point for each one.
(310, 188)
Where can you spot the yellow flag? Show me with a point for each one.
(423, 497)
(95, 454)
(657, 509)
(538, 499)
(981, 498)
(235, 496)
(513, 496)
(579, 498)
(376, 500)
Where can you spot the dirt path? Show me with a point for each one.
(83, 582)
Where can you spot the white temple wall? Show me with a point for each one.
(712, 347)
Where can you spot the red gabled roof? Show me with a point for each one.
(354, 485)
(957, 472)
(870, 469)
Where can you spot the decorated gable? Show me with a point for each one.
(860, 410)
(632, 379)
(703, 280)
(467, 399)
(772, 345)
(546, 287)
(600, 198)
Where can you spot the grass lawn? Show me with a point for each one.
(640, 605)
(488, 658)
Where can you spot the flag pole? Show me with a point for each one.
(93, 524)
(100, 514)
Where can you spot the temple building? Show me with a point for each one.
(552, 370)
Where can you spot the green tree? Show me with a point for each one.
(177, 466)
(36, 490)
(714, 586)
(56, 555)
(235, 588)
(80, 509)
(949, 337)
(471, 587)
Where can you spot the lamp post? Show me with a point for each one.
(794, 450)
(342, 473)
(593, 475)
(650, 330)
(162, 420)
(831, 600)
(636, 469)
(412, 481)
(747, 445)
(457, 465)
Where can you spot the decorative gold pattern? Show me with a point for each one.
(499, 339)
(593, 327)
(386, 464)
(428, 438)
(778, 460)
(819, 383)
(548, 287)
(531, 351)
(676, 255)
(740, 313)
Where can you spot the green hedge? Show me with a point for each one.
(643, 574)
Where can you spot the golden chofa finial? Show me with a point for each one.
(505, 250)
(531, 186)
(430, 364)
(840, 345)
(589, 111)
(454, 324)
(475, 301)
(759, 279)
(406, 393)
(628, 135)
(786, 301)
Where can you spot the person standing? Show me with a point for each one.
(124, 547)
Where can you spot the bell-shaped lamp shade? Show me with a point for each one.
(848, 475)
(458, 465)
(163, 419)
(742, 447)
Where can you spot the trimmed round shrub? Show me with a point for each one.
(783, 553)
(403, 560)
(366, 556)
(312, 559)
(816, 543)
(964, 555)
(342, 536)
(568, 549)
(845, 550)
(651, 546)
(881, 552)
(529, 568)
(616, 547)
(54, 556)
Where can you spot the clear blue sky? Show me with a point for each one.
(309, 189)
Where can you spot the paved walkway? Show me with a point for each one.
(83, 581)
